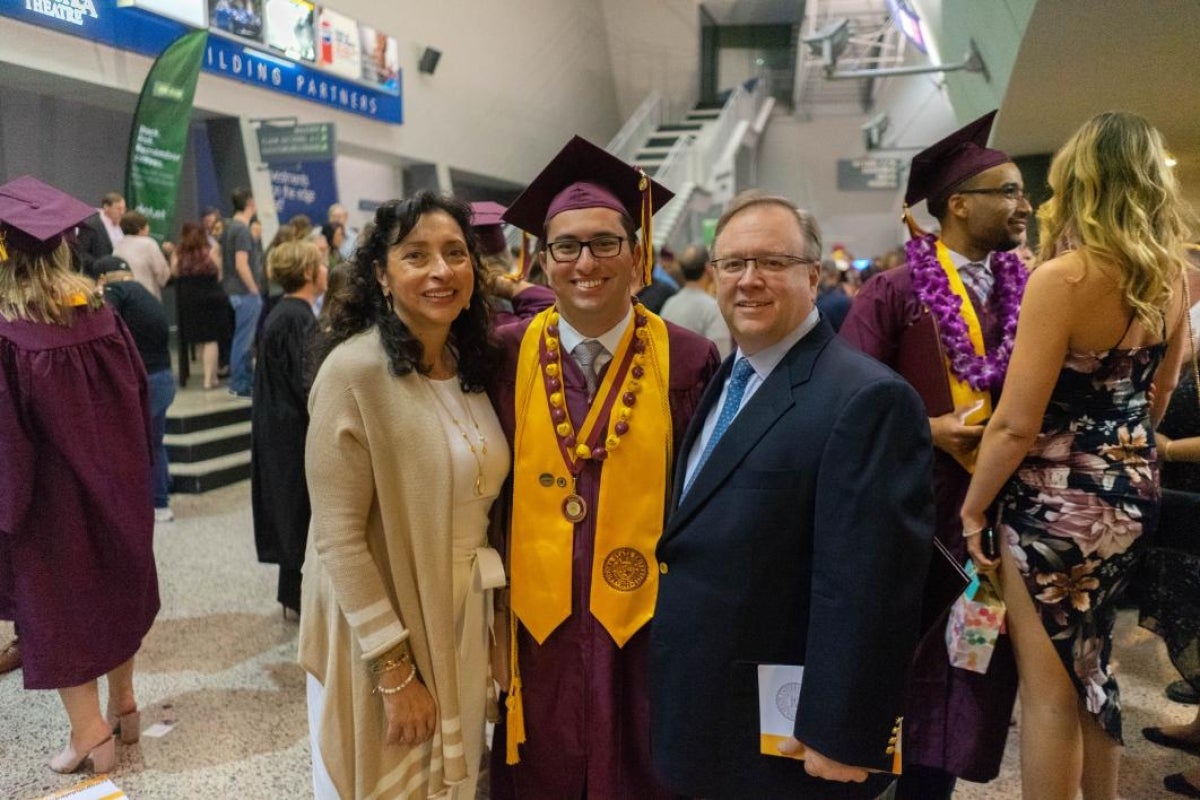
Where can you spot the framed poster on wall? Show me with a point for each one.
(339, 49)
(289, 25)
(239, 17)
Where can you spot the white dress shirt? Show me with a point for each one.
(764, 363)
(568, 338)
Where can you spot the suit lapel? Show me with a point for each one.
(712, 393)
(752, 423)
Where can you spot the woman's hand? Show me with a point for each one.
(411, 713)
(973, 525)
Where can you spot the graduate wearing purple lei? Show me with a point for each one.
(946, 321)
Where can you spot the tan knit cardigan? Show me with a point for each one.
(378, 569)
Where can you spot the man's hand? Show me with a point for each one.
(820, 766)
(952, 436)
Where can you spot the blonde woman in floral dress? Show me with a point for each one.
(1068, 459)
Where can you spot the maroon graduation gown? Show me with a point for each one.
(955, 720)
(77, 567)
(586, 701)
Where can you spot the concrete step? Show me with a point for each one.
(213, 473)
(188, 448)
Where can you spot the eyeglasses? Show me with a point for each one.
(771, 264)
(1009, 191)
(599, 246)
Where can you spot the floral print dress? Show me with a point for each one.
(1073, 512)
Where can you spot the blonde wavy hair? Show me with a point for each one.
(1115, 197)
(44, 288)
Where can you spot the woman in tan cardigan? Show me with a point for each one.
(404, 457)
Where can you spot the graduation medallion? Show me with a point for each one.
(574, 508)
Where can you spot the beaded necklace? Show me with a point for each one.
(932, 286)
(594, 440)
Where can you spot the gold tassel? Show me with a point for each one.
(524, 261)
(646, 188)
(515, 722)
(3, 249)
(914, 230)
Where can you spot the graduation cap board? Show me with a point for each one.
(584, 175)
(34, 216)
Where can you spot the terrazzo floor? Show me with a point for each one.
(223, 658)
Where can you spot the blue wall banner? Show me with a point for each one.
(303, 188)
(149, 34)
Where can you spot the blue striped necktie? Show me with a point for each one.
(742, 370)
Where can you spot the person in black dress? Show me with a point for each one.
(203, 307)
(279, 421)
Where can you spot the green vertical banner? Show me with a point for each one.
(160, 132)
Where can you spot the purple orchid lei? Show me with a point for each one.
(932, 286)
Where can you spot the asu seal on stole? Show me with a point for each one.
(625, 569)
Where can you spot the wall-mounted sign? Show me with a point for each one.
(141, 30)
(380, 59)
(306, 187)
(189, 12)
(240, 17)
(869, 173)
(290, 28)
(338, 46)
(296, 142)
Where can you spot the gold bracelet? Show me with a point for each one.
(1167, 451)
(390, 661)
(381, 689)
(968, 534)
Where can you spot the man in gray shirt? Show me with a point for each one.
(242, 286)
(693, 307)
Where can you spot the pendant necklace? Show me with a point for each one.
(479, 454)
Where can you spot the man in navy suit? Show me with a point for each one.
(801, 533)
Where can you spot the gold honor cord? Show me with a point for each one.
(961, 393)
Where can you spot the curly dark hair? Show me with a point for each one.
(361, 304)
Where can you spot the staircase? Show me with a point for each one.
(208, 440)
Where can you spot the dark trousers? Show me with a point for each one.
(924, 783)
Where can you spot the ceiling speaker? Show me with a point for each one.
(429, 61)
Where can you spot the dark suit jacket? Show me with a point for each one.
(804, 540)
(91, 242)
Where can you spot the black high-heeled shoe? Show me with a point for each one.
(1178, 784)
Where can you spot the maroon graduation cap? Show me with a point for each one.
(487, 219)
(583, 175)
(34, 216)
(942, 166)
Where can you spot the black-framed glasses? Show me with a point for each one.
(599, 246)
(1009, 191)
(771, 264)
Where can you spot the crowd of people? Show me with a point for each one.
(602, 505)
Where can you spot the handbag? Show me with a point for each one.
(976, 622)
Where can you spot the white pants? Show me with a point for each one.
(323, 788)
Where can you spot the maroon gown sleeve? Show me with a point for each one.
(18, 453)
(876, 319)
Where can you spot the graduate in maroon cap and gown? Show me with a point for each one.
(512, 298)
(593, 455)
(77, 569)
(953, 295)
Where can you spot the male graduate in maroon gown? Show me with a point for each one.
(595, 395)
(945, 321)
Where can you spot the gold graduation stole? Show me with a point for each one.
(961, 393)
(630, 421)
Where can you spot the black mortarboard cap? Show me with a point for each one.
(34, 216)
